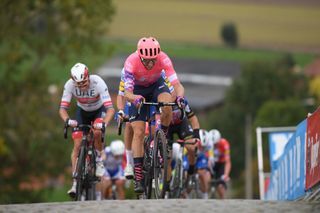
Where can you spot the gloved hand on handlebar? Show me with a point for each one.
(120, 114)
(138, 100)
(181, 101)
(72, 123)
(225, 178)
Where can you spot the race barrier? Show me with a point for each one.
(295, 171)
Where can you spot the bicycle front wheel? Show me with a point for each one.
(80, 174)
(176, 182)
(160, 163)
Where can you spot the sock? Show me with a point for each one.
(205, 195)
(98, 195)
(138, 168)
(129, 157)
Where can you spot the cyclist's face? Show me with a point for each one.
(148, 63)
(83, 85)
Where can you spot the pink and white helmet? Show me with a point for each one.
(148, 48)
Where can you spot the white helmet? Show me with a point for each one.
(203, 137)
(117, 147)
(214, 136)
(79, 72)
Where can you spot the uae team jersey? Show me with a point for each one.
(136, 74)
(88, 100)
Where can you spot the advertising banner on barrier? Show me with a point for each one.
(277, 143)
(287, 181)
(313, 150)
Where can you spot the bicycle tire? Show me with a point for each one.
(80, 173)
(160, 164)
(175, 189)
(195, 188)
(90, 176)
(148, 168)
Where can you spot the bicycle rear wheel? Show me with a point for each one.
(160, 163)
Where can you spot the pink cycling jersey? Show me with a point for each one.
(90, 100)
(137, 74)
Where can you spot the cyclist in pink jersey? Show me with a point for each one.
(94, 105)
(143, 82)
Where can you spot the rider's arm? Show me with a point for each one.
(65, 100)
(129, 96)
(227, 166)
(120, 102)
(194, 122)
(172, 75)
(63, 114)
(120, 98)
(128, 84)
(193, 119)
(109, 115)
(179, 89)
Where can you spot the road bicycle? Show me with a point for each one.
(155, 159)
(85, 165)
(178, 181)
(155, 163)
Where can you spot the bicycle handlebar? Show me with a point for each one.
(159, 104)
(81, 126)
(195, 141)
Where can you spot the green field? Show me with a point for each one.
(272, 26)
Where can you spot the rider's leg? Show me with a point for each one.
(137, 151)
(204, 178)
(99, 146)
(221, 191)
(166, 117)
(74, 155)
(75, 152)
(128, 135)
(191, 156)
(120, 188)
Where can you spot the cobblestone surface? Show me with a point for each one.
(171, 206)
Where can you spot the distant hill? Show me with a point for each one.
(290, 25)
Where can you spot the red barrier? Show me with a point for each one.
(313, 150)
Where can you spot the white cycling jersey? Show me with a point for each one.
(90, 100)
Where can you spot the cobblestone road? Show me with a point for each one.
(161, 206)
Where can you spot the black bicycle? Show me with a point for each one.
(155, 163)
(86, 165)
